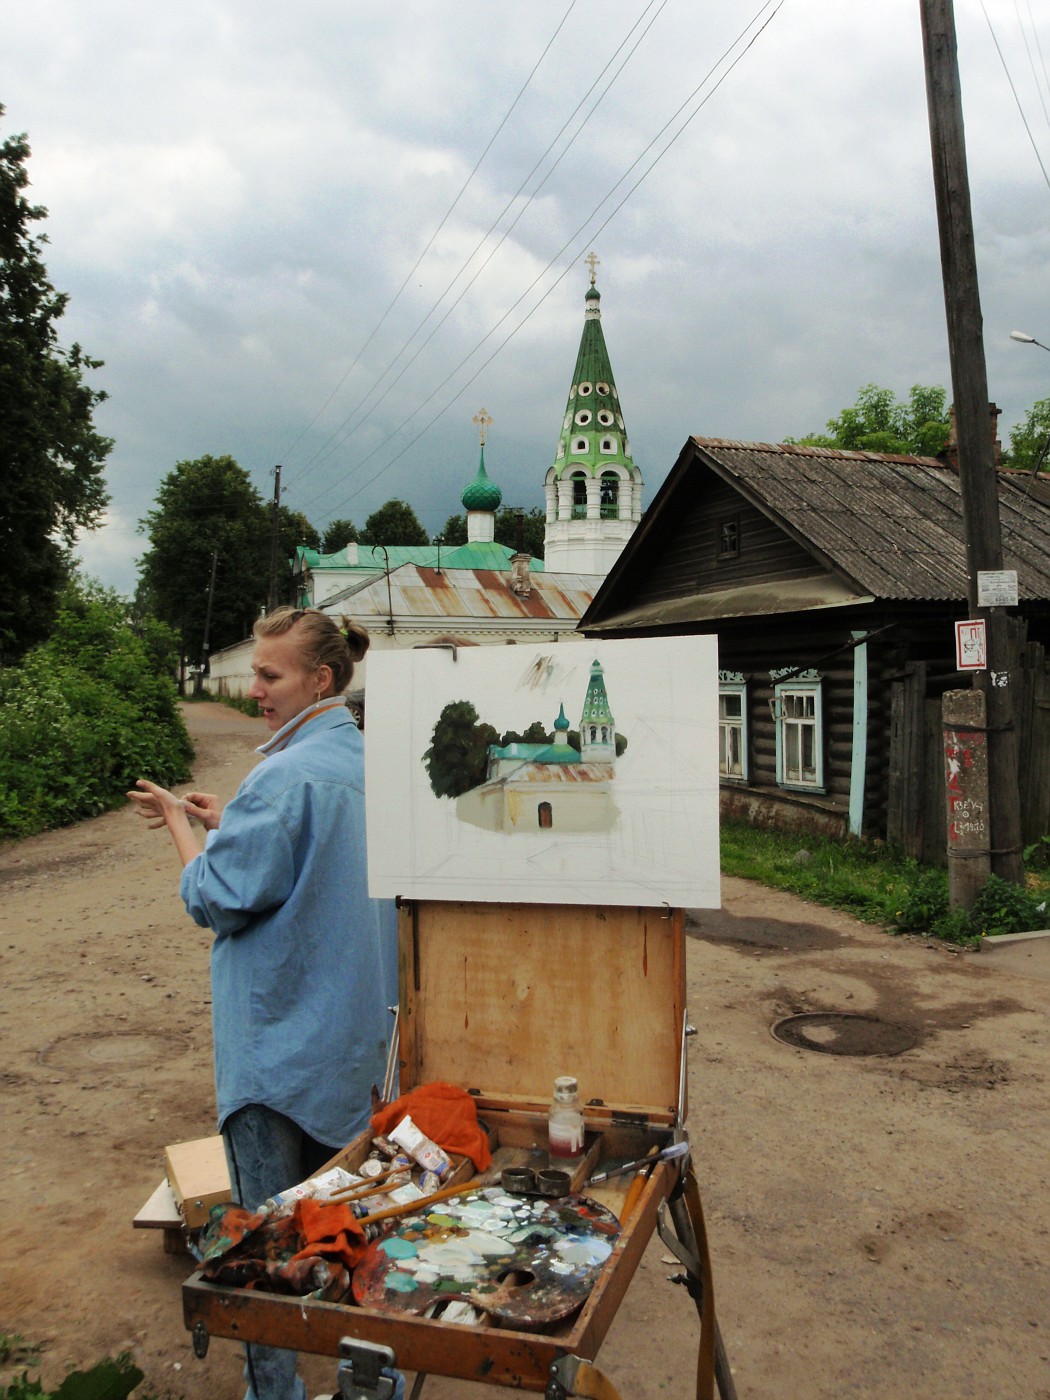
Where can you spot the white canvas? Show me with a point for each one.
(640, 828)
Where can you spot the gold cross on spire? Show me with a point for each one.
(482, 420)
(592, 260)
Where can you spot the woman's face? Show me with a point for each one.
(282, 686)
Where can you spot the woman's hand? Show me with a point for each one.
(162, 808)
(155, 803)
(206, 807)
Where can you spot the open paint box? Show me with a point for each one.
(501, 999)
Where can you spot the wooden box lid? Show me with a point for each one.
(502, 998)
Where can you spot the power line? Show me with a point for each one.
(433, 236)
(325, 451)
(1013, 89)
(573, 238)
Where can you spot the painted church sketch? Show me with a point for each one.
(562, 783)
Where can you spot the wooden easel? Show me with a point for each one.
(501, 999)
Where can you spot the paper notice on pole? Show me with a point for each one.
(997, 588)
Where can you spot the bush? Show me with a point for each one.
(924, 902)
(86, 713)
(1001, 907)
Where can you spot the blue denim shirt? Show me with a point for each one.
(304, 964)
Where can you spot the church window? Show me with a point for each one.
(545, 816)
(580, 445)
(594, 733)
(608, 445)
(585, 388)
(605, 418)
(579, 495)
(602, 389)
(619, 422)
(798, 714)
(561, 450)
(732, 729)
(568, 420)
(583, 417)
(605, 733)
(610, 495)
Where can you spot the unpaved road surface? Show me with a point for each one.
(879, 1224)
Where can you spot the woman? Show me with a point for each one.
(304, 964)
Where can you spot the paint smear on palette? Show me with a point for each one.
(523, 1260)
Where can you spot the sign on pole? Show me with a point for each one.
(971, 645)
(997, 588)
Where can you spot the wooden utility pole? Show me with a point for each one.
(275, 523)
(977, 477)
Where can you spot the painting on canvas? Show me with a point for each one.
(579, 773)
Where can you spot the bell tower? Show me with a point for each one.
(594, 489)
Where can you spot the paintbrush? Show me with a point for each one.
(366, 1187)
(410, 1207)
(677, 1149)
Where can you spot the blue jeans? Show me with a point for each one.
(265, 1152)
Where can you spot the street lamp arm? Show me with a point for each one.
(1027, 339)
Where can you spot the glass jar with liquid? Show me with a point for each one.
(565, 1125)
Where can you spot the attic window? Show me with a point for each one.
(580, 445)
(583, 417)
(605, 418)
(729, 537)
(585, 388)
(602, 388)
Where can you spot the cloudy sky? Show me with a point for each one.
(326, 235)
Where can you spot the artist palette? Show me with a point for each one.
(519, 1259)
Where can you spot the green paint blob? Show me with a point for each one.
(396, 1248)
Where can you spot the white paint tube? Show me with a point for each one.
(429, 1156)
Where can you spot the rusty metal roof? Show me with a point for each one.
(420, 593)
(892, 525)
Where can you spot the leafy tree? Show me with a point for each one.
(536, 733)
(86, 713)
(394, 523)
(339, 534)
(53, 459)
(533, 528)
(203, 506)
(293, 530)
(879, 422)
(457, 757)
(1030, 440)
(453, 532)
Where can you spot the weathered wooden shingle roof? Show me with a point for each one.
(892, 524)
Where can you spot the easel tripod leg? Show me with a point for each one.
(688, 1217)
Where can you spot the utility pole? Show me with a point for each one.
(273, 538)
(977, 476)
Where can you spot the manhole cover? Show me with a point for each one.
(844, 1033)
(112, 1050)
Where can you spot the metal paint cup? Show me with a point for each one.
(552, 1182)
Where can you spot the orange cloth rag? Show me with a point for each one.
(330, 1229)
(446, 1114)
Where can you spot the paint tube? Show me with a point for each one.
(319, 1187)
(429, 1156)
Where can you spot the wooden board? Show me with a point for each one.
(504, 998)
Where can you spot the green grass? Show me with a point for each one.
(878, 885)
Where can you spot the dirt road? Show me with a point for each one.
(879, 1224)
